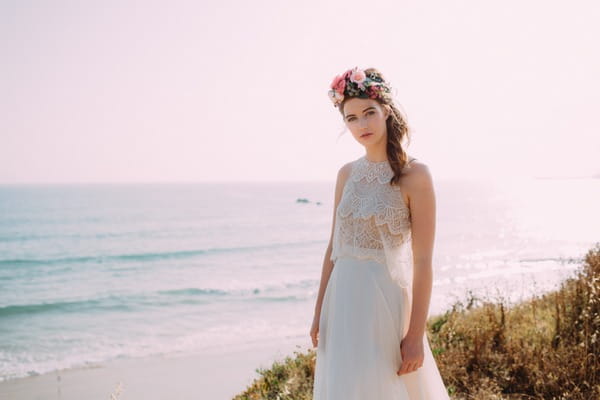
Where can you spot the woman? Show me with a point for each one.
(368, 327)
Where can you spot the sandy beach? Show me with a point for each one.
(212, 375)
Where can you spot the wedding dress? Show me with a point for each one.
(367, 302)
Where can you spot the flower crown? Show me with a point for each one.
(356, 83)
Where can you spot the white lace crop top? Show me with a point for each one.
(372, 220)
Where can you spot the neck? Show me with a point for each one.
(376, 156)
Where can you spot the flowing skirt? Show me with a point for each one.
(364, 317)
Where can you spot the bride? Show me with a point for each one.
(369, 325)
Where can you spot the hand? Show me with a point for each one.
(413, 355)
(314, 331)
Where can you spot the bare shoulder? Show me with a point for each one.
(342, 177)
(417, 178)
(344, 171)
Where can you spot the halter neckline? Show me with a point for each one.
(375, 162)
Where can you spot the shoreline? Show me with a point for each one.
(214, 374)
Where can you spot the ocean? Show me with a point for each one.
(91, 273)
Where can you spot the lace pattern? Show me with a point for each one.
(372, 220)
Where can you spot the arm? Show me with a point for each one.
(422, 209)
(327, 263)
(423, 215)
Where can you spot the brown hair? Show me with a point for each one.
(397, 130)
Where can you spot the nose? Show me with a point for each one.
(363, 122)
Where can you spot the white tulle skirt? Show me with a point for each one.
(364, 317)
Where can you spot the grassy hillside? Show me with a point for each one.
(544, 348)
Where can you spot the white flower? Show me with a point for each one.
(335, 97)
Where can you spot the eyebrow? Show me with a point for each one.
(368, 108)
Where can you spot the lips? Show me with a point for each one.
(366, 134)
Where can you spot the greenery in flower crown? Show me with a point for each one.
(356, 83)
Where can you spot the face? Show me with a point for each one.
(366, 120)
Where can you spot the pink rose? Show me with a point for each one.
(358, 76)
(339, 84)
(373, 91)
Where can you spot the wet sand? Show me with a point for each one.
(215, 375)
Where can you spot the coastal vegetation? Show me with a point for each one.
(547, 347)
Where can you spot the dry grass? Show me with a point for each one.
(545, 348)
(117, 392)
(291, 379)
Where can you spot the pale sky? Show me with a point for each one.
(149, 91)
